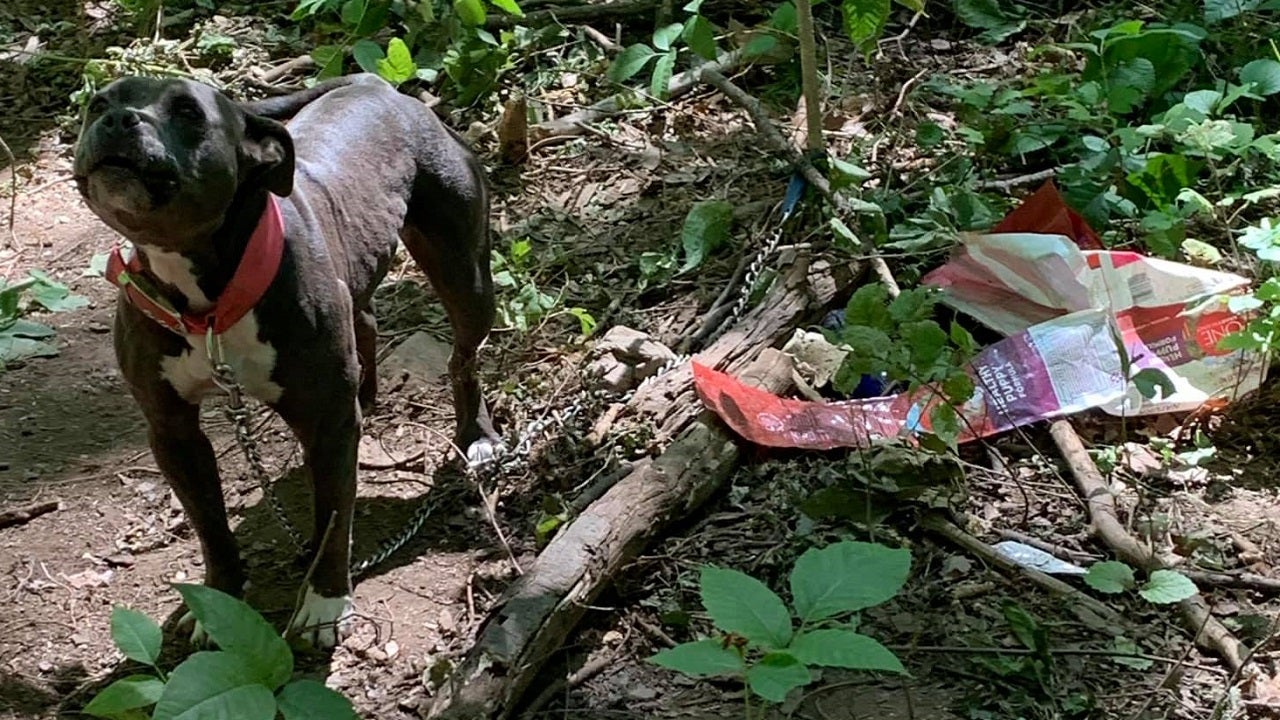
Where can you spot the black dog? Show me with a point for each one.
(199, 183)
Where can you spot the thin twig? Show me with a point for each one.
(22, 516)
(13, 193)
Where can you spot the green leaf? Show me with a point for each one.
(1148, 380)
(1167, 586)
(944, 422)
(1264, 75)
(660, 83)
(776, 675)
(705, 658)
(470, 12)
(869, 306)
(664, 36)
(844, 649)
(14, 349)
(398, 66)
(131, 693)
(353, 12)
(53, 295)
(845, 577)
(329, 59)
(136, 634)
(310, 700)
(510, 7)
(1025, 627)
(701, 37)
(214, 686)
(861, 506)
(989, 16)
(926, 341)
(1110, 577)
(1216, 11)
(239, 630)
(912, 5)
(864, 20)
(367, 54)
(739, 603)
(630, 61)
(706, 228)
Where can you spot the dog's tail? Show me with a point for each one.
(284, 107)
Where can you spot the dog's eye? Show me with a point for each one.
(186, 107)
(98, 104)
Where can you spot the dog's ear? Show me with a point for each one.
(266, 155)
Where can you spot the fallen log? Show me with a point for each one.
(536, 614)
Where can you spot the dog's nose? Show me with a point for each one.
(123, 118)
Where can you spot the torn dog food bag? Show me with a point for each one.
(1061, 308)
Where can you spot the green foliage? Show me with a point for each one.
(524, 305)
(706, 228)
(423, 43)
(1262, 304)
(865, 20)
(695, 37)
(23, 339)
(247, 679)
(1162, 587)
(761, 644)
(902, 340)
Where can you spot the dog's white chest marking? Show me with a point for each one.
(252, 361)
(191, 373)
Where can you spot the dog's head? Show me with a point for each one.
(160, 161)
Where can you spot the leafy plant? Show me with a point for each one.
(423, 44)
(759, 642)
(22, 339)
(248, 678)
(530, 306)
(1162, 587)
(696, 33)
(865, 20)
(901, 339)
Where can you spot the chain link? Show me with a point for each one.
(506, 461)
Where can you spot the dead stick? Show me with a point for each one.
(1242, 581)
(764, 125)
(575, 124)
(599, 38)
(1210, 633)
(989, 554)
(577, 13)
(22, 516)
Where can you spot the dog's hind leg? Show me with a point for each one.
(367, 350)
(459, 272)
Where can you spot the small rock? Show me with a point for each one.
(392, 649)
(44, 666)
(121, 560)
(99, 328)
(626, 357)
(422, 356)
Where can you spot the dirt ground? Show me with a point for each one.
(69, 431)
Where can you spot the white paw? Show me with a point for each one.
(482, 452)
(321, 620)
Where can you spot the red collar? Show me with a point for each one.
(253, 276)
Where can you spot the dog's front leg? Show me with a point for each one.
(186, 458)
(330, 441)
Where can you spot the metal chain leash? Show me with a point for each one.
(505, 461)
(238, 414)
